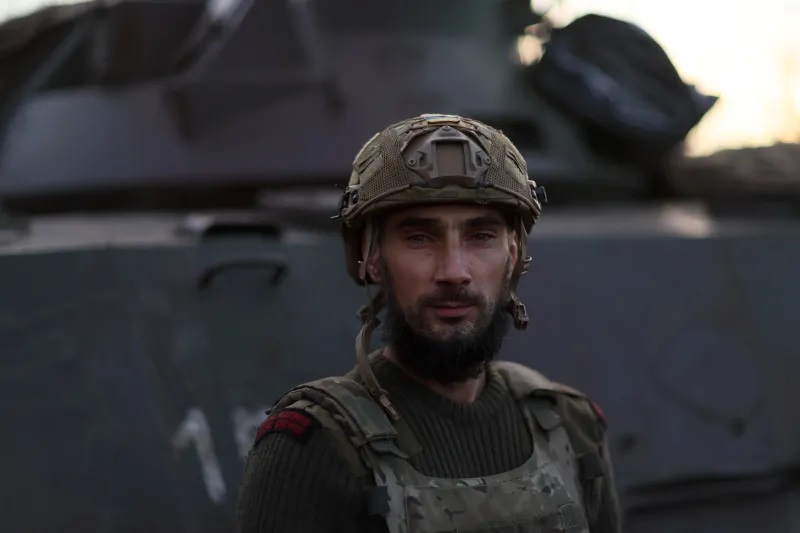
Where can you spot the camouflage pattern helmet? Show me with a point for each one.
(434, 159)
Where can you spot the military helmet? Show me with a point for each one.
(434, 159)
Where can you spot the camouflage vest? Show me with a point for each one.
(540, 496)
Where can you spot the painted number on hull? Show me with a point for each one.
(195, 430)
(245, 426)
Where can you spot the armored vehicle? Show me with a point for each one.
(168, 265)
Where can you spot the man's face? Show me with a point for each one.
(446, 271)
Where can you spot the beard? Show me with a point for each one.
(461, 354)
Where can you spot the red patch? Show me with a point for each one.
(294, 422)
(599, 412)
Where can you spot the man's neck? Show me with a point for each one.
(461, 392)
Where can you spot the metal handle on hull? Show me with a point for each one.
(277, 264)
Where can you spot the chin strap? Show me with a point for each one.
(369, 318)
(516, 308)
(518, 312)
(370, 322)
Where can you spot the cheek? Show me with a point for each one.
(490, 264)
(494, 276)
(408, 276)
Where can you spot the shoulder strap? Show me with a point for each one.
(584, 425)
(339, 437)
(525, 381)
(349, 403)
(354, 420)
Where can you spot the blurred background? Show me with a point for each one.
(169, 266)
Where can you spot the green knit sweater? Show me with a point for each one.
(303, 488)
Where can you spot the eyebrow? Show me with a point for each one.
(416, 222)
(485, 221)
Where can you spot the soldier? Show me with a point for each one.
(432, 433)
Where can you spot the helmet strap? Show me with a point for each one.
(369, 317)
(370, 322)
(367, 242)
(516, 308)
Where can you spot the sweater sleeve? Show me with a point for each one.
(609, 518)
(290, 486)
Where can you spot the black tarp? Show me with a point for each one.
(615, 78)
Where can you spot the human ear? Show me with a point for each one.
(374, 265)
(513, 247)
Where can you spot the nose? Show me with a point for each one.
(453, 267)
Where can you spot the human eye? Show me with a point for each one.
(417, 238)
(483, 236)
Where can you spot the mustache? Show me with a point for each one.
(458, 295)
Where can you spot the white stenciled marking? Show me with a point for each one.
(195, 428)
(245, 426)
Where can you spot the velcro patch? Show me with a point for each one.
(296, 423)
(599, 412)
